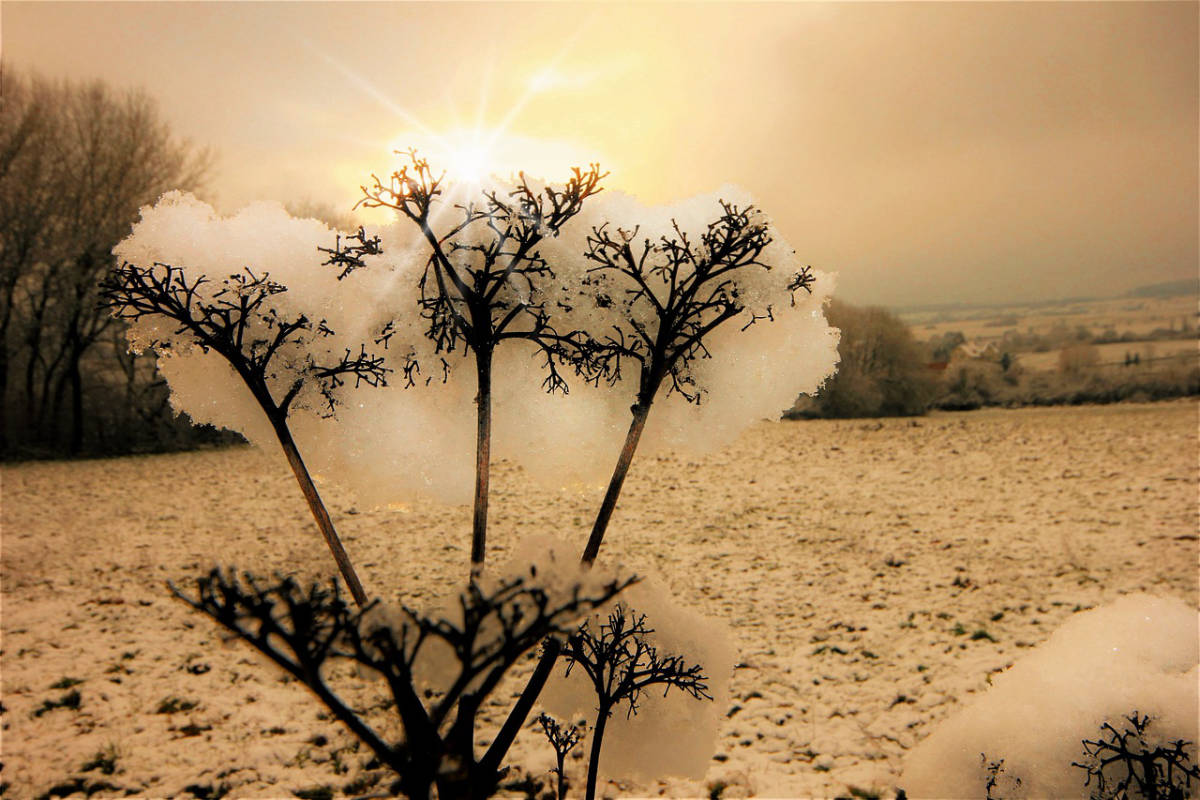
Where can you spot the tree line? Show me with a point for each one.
(77, 161)
(885, 371)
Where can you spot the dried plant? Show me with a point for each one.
(563, 739)
(1124, 765)
(621, 662)
(995, 772)
(670, 295)
(271, 351)
(302, 630)
(485, 282)
(351, 255)
(483, 285)
(667, 297)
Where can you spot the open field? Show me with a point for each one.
(1182, 352)
(847, 557)
(1139, 316)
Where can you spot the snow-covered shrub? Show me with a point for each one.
(574, 308)
(1140, 652)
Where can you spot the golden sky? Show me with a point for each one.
(931, 152)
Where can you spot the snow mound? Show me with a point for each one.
(1139, 653)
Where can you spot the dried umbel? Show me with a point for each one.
(283, 356)
(621, 662)
(278, 354)
(483, 285)
(523, 269)
(563, 739)
(303, 629)
(1123, 763)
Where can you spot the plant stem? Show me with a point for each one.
(516, 717)
(318, 509)
(594, 759)
(541, 672)
(483, 452)
(640, 412)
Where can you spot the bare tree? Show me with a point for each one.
(483, 286)
(307, 208)
(76, 163)
(882, 370)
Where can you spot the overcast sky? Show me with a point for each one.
(925, 152)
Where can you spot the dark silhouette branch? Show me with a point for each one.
(669, 295)
(482, 285)
(563, 739)
(302, 630)
(1123, 764)
(620, 662)
(237, 322)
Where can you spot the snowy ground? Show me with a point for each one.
(874, 573)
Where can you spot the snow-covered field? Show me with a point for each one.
(875, 575)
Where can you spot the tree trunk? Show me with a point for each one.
(3, 395)
(76, 379)
(483, 455)
(33, 355)
(318, 510)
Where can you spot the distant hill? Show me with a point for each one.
(967, 307)
(1149, 291)
(1167, 289)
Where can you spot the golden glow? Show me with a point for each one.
(471, 156)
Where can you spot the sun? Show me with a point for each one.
(470, 162)
(470, 157)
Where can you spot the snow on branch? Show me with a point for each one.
(1123, 764)
(351, 255)
(620, 662)
(236, 319)
(485, 279)
(676, 290)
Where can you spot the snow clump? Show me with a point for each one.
(1139, 653)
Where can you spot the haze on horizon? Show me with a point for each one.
(927, 153)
